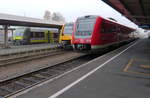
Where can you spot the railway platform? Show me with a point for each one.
(27, 48)
(122, 73)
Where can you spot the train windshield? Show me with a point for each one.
(68, 29)
(85, 27)
(19, 32)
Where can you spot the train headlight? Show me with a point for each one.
(88, 40)
(81, 41)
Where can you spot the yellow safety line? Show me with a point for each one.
(145, 66)
(128, 65)
(134, 72)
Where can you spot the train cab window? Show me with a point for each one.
(68, 29)
(19, 32)
(85, 27)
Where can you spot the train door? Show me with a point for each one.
(27, 36)
(61, 34)
(117, 33)
(48, 36)
(108, 32)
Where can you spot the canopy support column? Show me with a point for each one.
(5, 36)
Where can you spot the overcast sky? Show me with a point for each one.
(70, 9)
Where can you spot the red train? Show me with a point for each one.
(94, 32)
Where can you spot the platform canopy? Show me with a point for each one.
(138, 11)
(13, 20)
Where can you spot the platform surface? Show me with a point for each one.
(25, 48)
(122, 73)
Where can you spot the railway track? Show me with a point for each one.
(28, 55)
(13, 86)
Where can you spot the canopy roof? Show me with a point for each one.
(13, 20)
(137, 11)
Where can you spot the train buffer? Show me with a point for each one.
(123, 72)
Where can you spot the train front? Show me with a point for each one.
(66, 35)
(18, 36)
(83, 32)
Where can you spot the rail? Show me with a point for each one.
(13, 86)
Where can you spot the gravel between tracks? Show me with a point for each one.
(15, 70)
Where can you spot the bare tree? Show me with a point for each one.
(56, 16)
(47, 15)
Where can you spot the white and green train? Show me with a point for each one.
(32, 35)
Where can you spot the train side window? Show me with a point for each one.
(114, 29)
(33, 34)
(108, 27)
(118, 29)
(103, 27)
(111, 28)
(37, 34)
